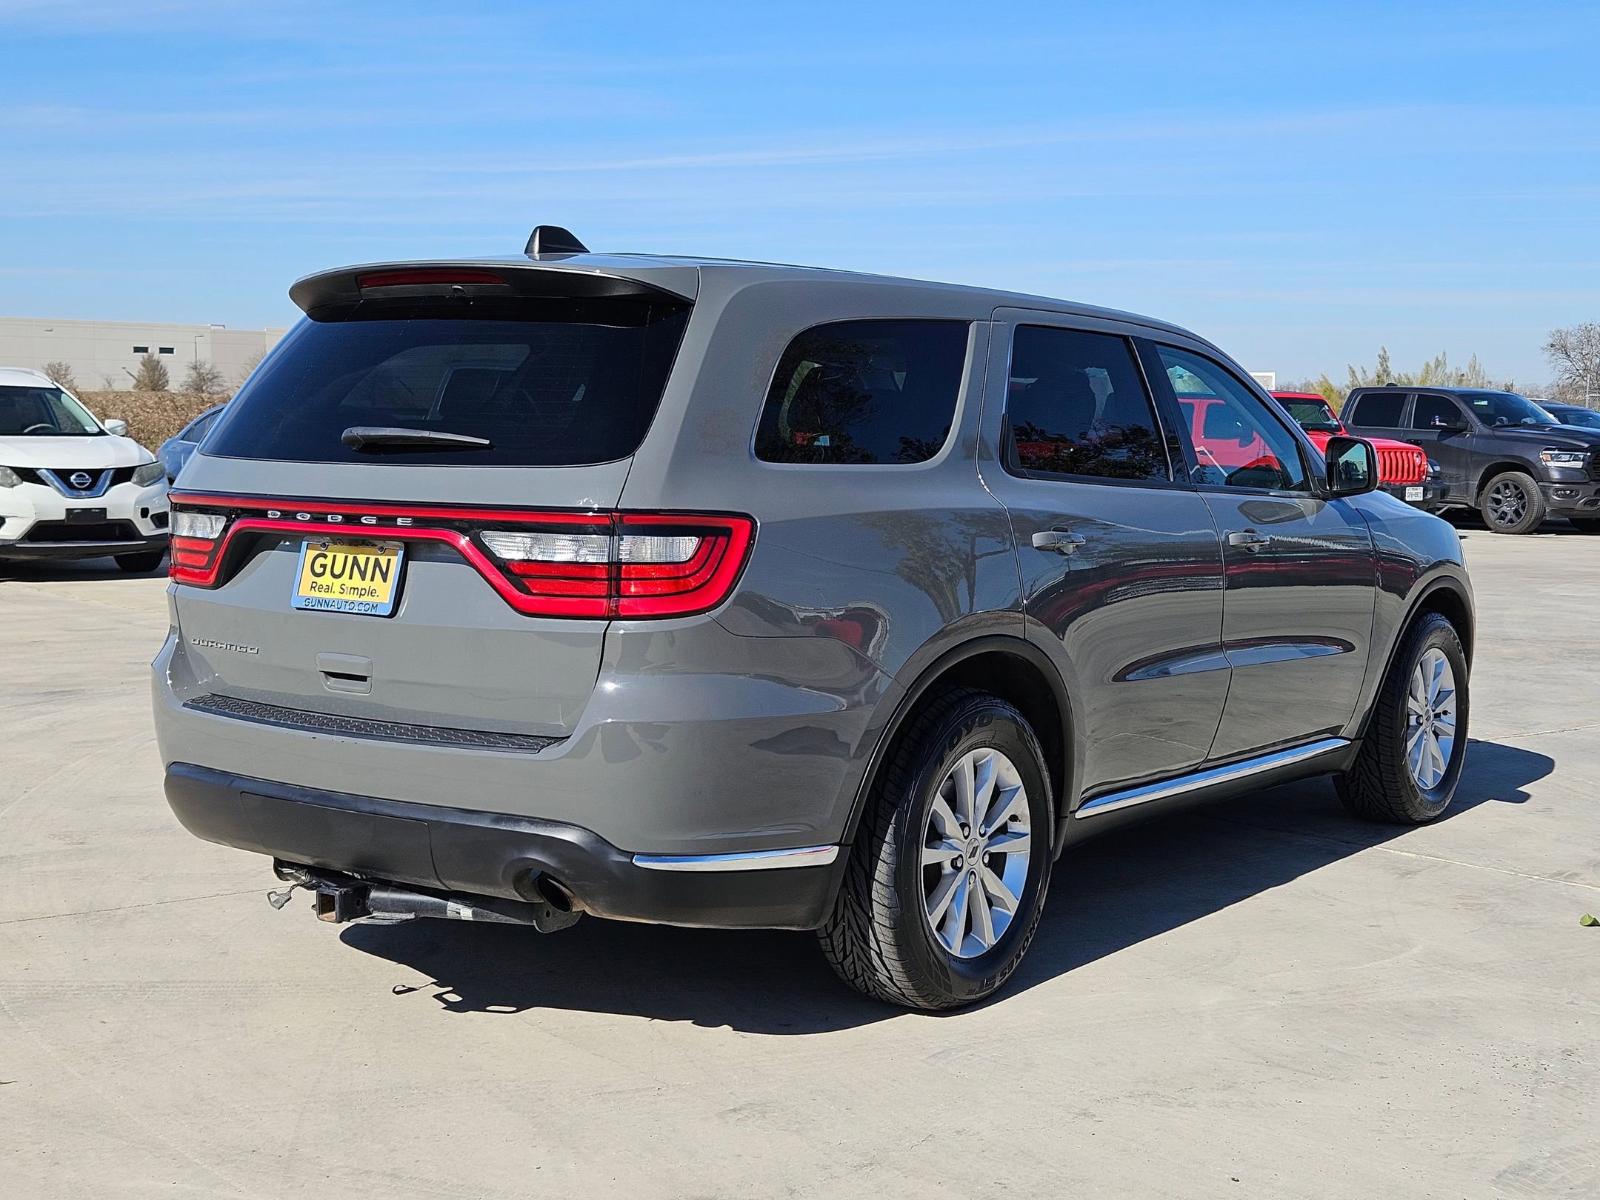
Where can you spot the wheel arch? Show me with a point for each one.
(1004, 666)
(1443, 594)
(1500, 467)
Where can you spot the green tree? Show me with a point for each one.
(152, 375)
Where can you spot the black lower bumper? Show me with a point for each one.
(1578, 499)
(486, 854)
(60, 550)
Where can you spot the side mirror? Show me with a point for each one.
(1352, 466)
(115, 427)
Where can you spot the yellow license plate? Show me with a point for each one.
(348, 577)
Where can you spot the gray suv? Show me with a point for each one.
(738, 595)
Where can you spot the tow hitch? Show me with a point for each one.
(337, 898)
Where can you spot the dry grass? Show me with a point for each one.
(152, 417)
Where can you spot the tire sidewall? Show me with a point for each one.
(984, 722)
(1436, 633)
(1534, 514)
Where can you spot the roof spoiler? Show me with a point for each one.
(346, 286)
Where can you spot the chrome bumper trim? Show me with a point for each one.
(1112, 801)
(753, 860)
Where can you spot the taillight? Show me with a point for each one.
(642, 565)
(549, 564)
(196, 544)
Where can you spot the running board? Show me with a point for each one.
(1112, 801)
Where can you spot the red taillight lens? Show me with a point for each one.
(547, 564)
(671, 566)
(639, 565)
(196, 546)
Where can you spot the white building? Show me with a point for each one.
(105, 354)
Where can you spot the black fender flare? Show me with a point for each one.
(1444, 581)
(929, 676)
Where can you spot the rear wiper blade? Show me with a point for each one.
(387, 437)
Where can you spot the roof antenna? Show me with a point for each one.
(550, 240)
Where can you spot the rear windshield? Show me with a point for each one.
(546, 383)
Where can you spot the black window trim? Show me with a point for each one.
(1177, 470)
(1315, 471)
(964, 386)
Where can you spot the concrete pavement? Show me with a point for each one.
(1263, 999)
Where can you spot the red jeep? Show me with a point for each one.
(1402, 467)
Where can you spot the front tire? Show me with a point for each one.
(1512, 503)
(140, 564)
(947, 877)
(1410, 760)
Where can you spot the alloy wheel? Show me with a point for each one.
(1430, 719)
(976, 852)
(1508, 504)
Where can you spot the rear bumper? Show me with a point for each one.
(492, 854)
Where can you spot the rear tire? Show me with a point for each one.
(1512, 503)
(140, 564)
(1407, 769)
(1585, 524)
(911, 926)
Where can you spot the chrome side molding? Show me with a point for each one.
(752, 860)
(1177, 786)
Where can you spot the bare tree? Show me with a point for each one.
(204, 379)
(152, 375)
(250, 364)
(1575, 354)
(60, 375)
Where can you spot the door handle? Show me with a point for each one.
(1062, 541)
(1250, 540)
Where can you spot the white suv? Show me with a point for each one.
(72, 486)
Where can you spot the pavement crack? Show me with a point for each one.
(89, 912)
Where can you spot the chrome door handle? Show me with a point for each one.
(1249, 540)
(1062, 541)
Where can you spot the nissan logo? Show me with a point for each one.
(80, 479)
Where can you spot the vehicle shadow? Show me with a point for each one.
(1107, 895)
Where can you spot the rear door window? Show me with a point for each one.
(1429, 408)
(1381, 410)
(1076, 405)
(862, 393)
(547, 382)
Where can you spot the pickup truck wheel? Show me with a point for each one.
(139, 564)
(1410, 760)
(1512, 503)
(951, 862)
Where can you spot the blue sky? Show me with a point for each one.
(1299, 182)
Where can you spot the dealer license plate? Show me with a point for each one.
(348, 577)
